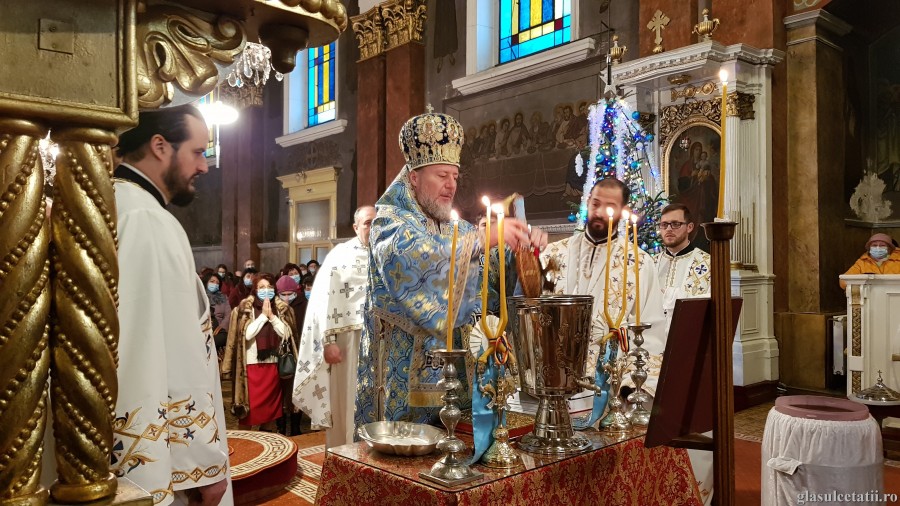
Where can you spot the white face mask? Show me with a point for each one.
(878, 252)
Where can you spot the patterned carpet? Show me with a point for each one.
(301, 491)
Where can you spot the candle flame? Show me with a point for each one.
(486, 201)
(610, 212)
(454, 215)
(625, 214)
(723, 75)
(634, 218)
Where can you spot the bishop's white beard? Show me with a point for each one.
(435, 209)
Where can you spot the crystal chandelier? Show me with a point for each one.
(253, 65)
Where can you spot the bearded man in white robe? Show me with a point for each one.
(582, 270)
(325, 382)
(169, 431)
(682, 268)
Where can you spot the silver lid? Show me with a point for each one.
(879, 392)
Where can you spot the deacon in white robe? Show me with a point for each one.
(325, 382)
(169, 431)
(682, 268)
(582, 264)
(683, 271)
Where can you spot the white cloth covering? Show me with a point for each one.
(169, 431)
(334, 315)
(801, 457)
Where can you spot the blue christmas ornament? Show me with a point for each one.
(635, 115)
(649, 137)
(635, 164)
(572, 217)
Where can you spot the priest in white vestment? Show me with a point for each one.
(325, 383)
(169, 430)
(683, 269)
(582, 271)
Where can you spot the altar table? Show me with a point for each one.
(617, 471)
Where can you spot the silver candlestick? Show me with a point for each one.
(451, 469)
(616, 421)
(639, 414)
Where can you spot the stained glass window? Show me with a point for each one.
(320, 88)
(531, 26)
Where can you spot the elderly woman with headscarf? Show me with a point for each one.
(881, 257)
(219, 310)
(259, 326)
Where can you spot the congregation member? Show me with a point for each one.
(881, 257)
(312, 267)
(409, 261)
(166, 356)
(288, 289)
(329, 345)
(243, 289)
(258, 326)
(220, 310)
(682, 268)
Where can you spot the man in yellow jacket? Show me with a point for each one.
(881, 257)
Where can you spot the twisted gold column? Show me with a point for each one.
(86, 326)
(24, 306)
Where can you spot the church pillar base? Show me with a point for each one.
(755, 348)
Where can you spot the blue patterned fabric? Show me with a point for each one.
(409, 261)
(601, 379)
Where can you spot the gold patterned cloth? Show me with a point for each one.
(615, 472)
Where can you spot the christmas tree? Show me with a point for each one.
(620, 148)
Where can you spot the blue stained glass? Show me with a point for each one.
(516, 24)
(321, 84)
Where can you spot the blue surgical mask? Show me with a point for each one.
(265, 293)
(291, 297)
(222, 274)
(878, 252)
(212, 287)
(307, 294)
(296, 278)
(248, 281)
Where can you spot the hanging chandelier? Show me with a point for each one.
(253, 66)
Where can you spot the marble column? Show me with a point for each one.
(370, 139)
(405, 98)
(815, 170)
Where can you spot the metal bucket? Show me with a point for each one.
(550, 336)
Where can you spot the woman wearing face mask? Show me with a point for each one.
(313, 267)
(288, 292)
(881, 257)
(294, 271)
(219, 310)
(259, 325)
(243, 289)
(225, 280)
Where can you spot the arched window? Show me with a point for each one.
(320, 84)
(531, 26)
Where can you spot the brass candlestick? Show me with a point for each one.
(451, 470)
(616, 421)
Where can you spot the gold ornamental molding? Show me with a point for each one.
(369, 32)
(180, 47)
(673, 117)
(248, 95)
(741, 105)
(389, 25)
(707, 88)
(647, 122)
(705, 28)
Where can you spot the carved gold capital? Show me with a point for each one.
(691, 91)
(740, 105)
(389, 25)
(369, 31)
(674, 116)
(248, 95)
(179, 47)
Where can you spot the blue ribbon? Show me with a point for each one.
(483, 420)
(601, 379)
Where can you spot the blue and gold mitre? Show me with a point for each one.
(431, 138)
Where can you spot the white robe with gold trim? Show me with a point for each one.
(682, 276)
(169, 431)
(583, 272)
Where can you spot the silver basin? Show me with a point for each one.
(401, 438)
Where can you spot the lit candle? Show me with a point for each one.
(609, 227)
(487, 265)
(637, 274)
(501, 245)
(626, 217)
(723, 76)
(450, 312)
